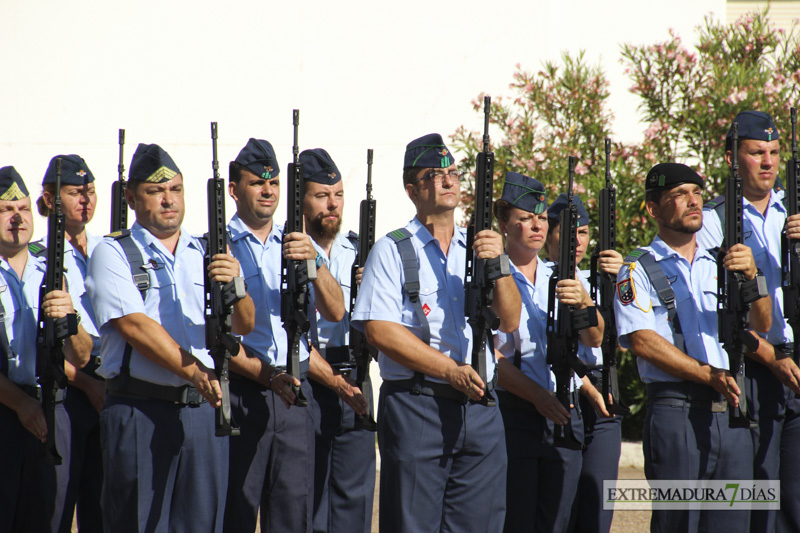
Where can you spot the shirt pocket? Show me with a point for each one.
(433, 301)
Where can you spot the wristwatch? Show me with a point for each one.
(320, 260)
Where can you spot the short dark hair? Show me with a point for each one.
(502, 210)
(410, 175)
(235, 172)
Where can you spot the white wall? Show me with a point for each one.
(364, 75)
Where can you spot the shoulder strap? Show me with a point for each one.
(140, 277)
(663, 288)
(402, 239)
(718, 206)
(142, 281)
(352, 236)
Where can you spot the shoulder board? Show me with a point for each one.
(716, 203)
(399, 234)
(352, 235)
(117, 235)
(635, 255)
(37, 249)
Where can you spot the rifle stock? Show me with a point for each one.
(52, 332)
(564, 322)
(295, 275)
(603, 288)
(362, 351)
(734, 294)
(220, 297)
(482, 274)
(790, 249)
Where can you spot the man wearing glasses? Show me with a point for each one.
(443, 456)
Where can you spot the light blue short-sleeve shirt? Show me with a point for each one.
(695, 288)
(381, 296)
(593, 357)
(77, 268)
(762, 233)
(324, 333)
(175, 299)
(531, 336)
(261, 268)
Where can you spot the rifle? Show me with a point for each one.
(51, 332)
(362, 351)
(119, 207)
(220, 298)
(603, 289)
(295, 275)
(790, 249)
(481, 274)
(735, 294)
(564, 322)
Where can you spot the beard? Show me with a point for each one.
(326, 230)
(682, 226)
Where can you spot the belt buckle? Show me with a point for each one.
(719, 407)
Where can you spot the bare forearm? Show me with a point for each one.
(656, 350)
(398, 343)
(321, 371)
(514, 380)
(507, 304)
(150, 339)
(328, 296)
(761, 314)
(251, 367)
(78, 348)
(244, 316)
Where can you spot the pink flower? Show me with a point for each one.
(580, 170)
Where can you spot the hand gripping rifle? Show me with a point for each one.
(735, 294)
(564, 322)
(603, 288)
(220, 297)
(790, 249)
(52, 332)
(295, 275)
(362, 351)
(119, 207)
(481, 274)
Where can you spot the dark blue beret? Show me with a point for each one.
(525, 193)
(152, 164)
(12, 187)
(560, 203)
(753, 125)
(74, 171)
(258, 157)
(670, 175)
(428, 151)
(319, 167)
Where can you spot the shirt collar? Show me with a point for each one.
(424, 236)
(240, 230)
(662, 251)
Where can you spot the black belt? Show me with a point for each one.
(787, 348)
(686, 394)
(335, 354)
(436, 389)
(35, 392)
(144, 390)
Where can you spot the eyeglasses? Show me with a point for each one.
(437, 176)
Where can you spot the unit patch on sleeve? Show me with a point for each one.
(625, 291)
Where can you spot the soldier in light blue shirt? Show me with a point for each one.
(772, 372)
(147, 287)
(680, 359)
(272, 461)
(602, 433)
(86, 390)
(344, 464)
(29, 494)
(542, 476)
(443, 457)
